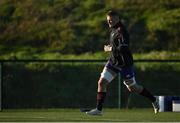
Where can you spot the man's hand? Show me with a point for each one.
(107, 48)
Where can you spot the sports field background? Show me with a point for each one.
(74, 115)
(77, 29)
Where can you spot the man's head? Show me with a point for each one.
(112, 18)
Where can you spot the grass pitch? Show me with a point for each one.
(74, 115)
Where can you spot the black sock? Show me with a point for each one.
(148, 95)
(100, 100)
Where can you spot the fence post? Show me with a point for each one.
(119, 90)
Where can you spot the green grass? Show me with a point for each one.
(69, 115)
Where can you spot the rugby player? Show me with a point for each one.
(120, 61)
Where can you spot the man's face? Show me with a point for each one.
(112, 20)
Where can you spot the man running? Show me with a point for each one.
(121, 61)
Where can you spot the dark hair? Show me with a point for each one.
(112, 13)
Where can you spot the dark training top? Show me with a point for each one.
(119, 40)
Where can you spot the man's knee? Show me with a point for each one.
(102, 81)
(133, 86)
(102, 85)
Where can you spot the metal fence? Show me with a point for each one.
(102, 62)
